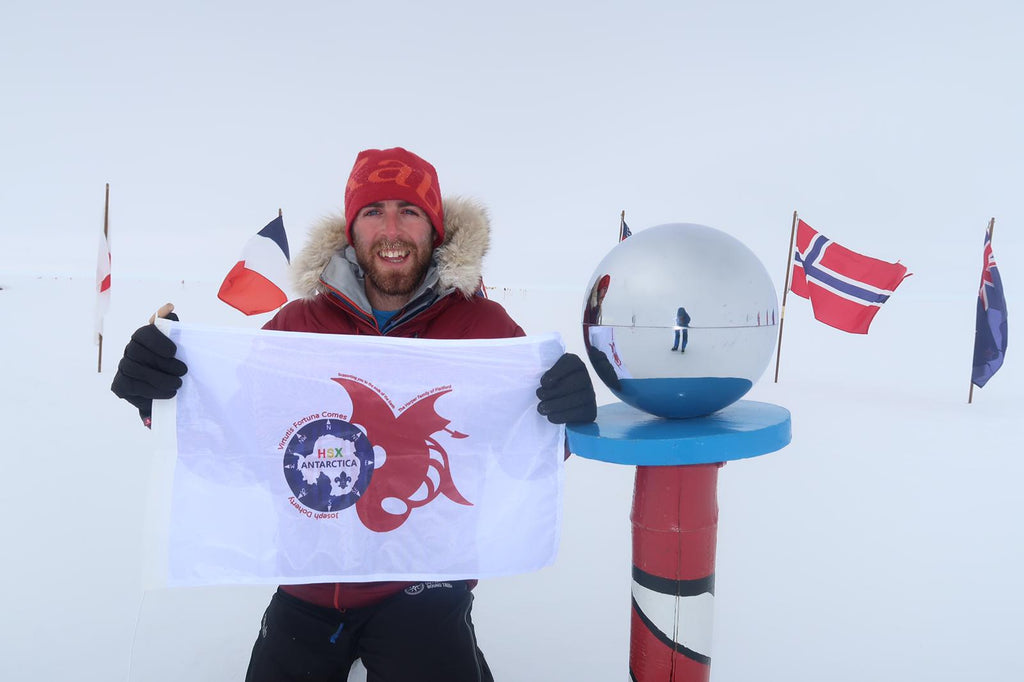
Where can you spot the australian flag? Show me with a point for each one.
(990, 332)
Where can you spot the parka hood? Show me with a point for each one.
(458, 261)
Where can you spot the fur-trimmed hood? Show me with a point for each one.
(458, 261)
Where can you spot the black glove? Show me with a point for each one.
(566, 392)
(148, 369)
(603, 367)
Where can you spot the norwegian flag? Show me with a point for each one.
(990, 330)
(846, 289)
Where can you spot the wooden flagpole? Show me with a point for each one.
(622, 222)
(785, 292)
(106, 232)
(991, 229)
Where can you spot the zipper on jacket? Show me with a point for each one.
(410, 311)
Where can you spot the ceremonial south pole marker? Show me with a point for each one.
(675, 521)
(681, 417)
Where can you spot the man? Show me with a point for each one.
(682, 328)
(402, 262)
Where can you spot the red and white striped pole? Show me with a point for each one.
(675, 530)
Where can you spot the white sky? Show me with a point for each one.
(888, 553)
(893, 127)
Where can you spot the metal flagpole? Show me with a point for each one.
(991, 229)
(280, 214)
(785, 292)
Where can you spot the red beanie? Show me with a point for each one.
(382, 174)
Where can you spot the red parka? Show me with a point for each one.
(444, 307)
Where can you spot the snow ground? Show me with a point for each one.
(884, 543)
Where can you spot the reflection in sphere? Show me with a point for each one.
(680, 320)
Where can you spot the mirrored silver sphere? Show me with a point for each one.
(680, 320)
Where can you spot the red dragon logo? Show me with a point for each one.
(411, 455)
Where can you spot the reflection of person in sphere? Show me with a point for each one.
(682, 331)
(592, 324)
(592, 312)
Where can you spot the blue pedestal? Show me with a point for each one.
(625, 435)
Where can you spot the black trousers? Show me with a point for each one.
(423, 634)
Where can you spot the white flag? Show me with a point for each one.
(306, 458)
(102, 284)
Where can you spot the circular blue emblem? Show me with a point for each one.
(328, 464)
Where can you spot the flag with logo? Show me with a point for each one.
(990, 329)
(846, 289)
(290, 457)
(258, 283)
(102, 284)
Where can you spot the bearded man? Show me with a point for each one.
(402, 262)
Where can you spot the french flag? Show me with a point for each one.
(258, 282)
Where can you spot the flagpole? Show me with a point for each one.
(622, 221)
(280, 214)
(785, 292)
(106, 230)
(991, 229)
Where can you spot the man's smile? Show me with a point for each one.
(393, 255)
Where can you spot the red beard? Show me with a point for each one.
(389, 280)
